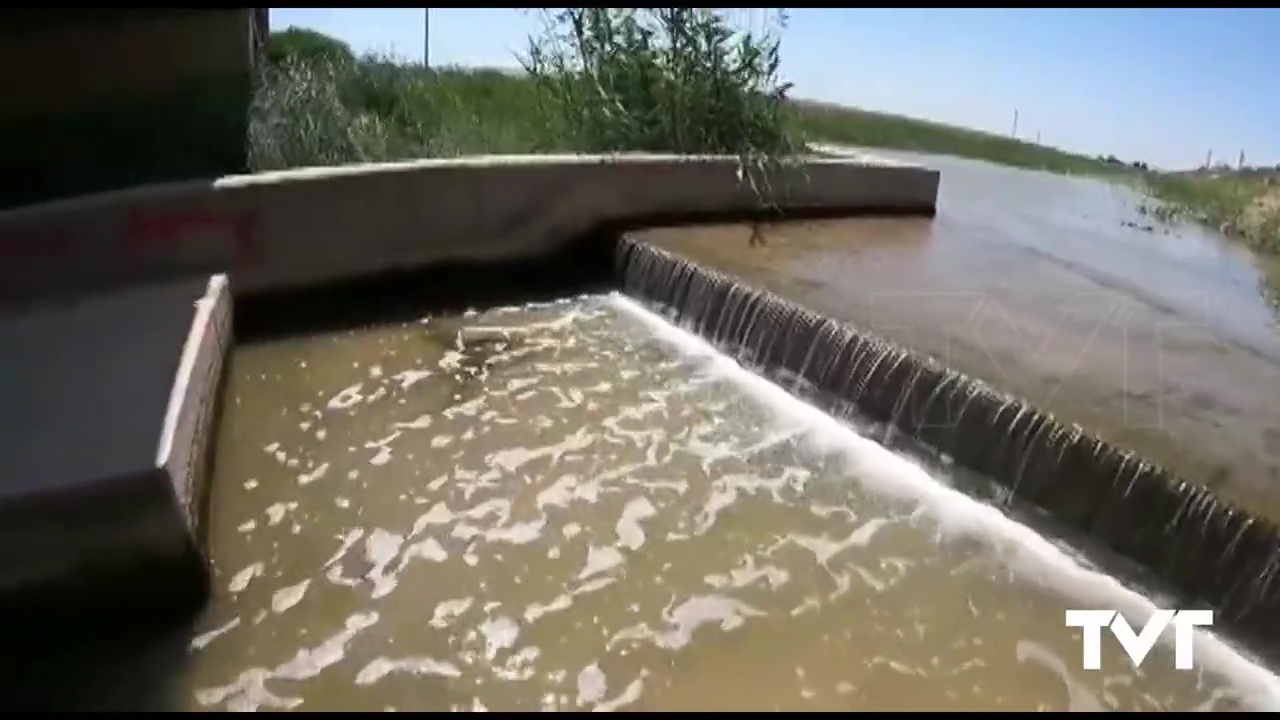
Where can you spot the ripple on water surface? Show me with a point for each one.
(553, 507)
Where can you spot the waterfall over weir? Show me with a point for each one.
(1202, 548)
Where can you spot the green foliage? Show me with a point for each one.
(832, 123)
(377, 110)
(661, 79)
(596, 80)
(307, 46)
(678, 80)
(1241, 205)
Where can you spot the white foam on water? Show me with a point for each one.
(889, 474)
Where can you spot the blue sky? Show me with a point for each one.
(1161, 85)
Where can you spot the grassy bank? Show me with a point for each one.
(649, 79)
(375, 109)
(851, 126)
(394, 110)
(1243, 205)
(654, 79)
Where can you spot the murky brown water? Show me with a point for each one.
(573, 506)
(1159, 340)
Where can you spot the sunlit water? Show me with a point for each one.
(577, 506)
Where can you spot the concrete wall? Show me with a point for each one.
(135, 507)
(303, 227)
(112, 98)
(187, 435)
(108, 403)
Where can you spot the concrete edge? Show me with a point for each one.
(543, 160)
(187, 438)
(132, 542)
(1201, 547)
(165, 191)
(299, 228)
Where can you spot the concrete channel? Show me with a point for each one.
(125, 299)
(99, 293)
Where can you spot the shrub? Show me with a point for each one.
(661, 79)
(596, 80)
(298, 118)
(307, 46)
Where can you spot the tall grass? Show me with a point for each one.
(683, 80)
(595, 79)
(1242, 205)
(661, 79)
(833, 123)
(376, 109)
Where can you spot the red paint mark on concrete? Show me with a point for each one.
(148, 232)
(35, 246)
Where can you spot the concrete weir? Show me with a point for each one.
(1202, 548)
(116, 354)
(112, 392)
(108, 405)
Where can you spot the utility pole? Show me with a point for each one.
(1015, 123)
(426, 37)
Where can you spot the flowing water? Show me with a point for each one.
(1060, 291)
(578, 506)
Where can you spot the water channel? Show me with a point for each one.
(576, 505)
(1060, 291)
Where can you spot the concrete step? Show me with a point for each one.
(107, 404)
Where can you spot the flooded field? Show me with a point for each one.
(577, 506)
(1060, 291)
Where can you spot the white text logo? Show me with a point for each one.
(1138, 645)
